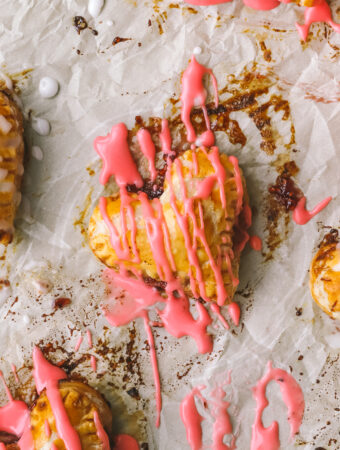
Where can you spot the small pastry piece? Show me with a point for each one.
(81, 403)
(325, 275)
(203, 197)
(11, 163)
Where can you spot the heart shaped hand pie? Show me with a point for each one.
(81, 404)
(11, 163)
(325, 275)
(193, 230)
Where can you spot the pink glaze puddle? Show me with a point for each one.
(125, 442)
(101, 433)
(234, 312)
(89, 338)
(301, 216)
(255, 243)
(268, 438)
(192, 419)
(78, 344)
(15, 373)
(117, 158)
(217, 310)
(194, 94)
(47, 376)
(148, 149)
(47, 429)
(93, 361)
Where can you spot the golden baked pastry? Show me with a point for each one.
(325, 275)
(11, 163)
(219, 225)
(81, 402)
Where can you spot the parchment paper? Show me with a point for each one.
(105, 84)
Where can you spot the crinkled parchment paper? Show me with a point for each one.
(102, 84)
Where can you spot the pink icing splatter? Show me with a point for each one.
(101, 433)
(93, 361)
(117, 159)
(89, 338)
(319, 12)
(301, 216)
(192, 419)
(255, 243)
(194, 93)
(222, 425)
(264, 438)
(234, 312)
(148, 149)
(125, 442)
(78, 344)
(47, 376)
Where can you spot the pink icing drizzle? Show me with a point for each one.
(117, 159)
(234, 312)
(155, 370)
(217, 310)
(268, 438)
(125, 442)
(14, 370)
(47, 376)
(89, 338)
(192, 419)
(193, 92)
(255, 243)
(101, 433)
(301, 216)
(165, 138)
(78, 344)
(47, 429)
(93, 361)
(148, 149)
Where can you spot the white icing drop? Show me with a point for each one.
(95, 7)
(109, 23)
(48, 87)
(5, 126)
(197, 51)
(37, 153)
(41, 126)
(26, 319)
(20, 169)
(3, 174)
